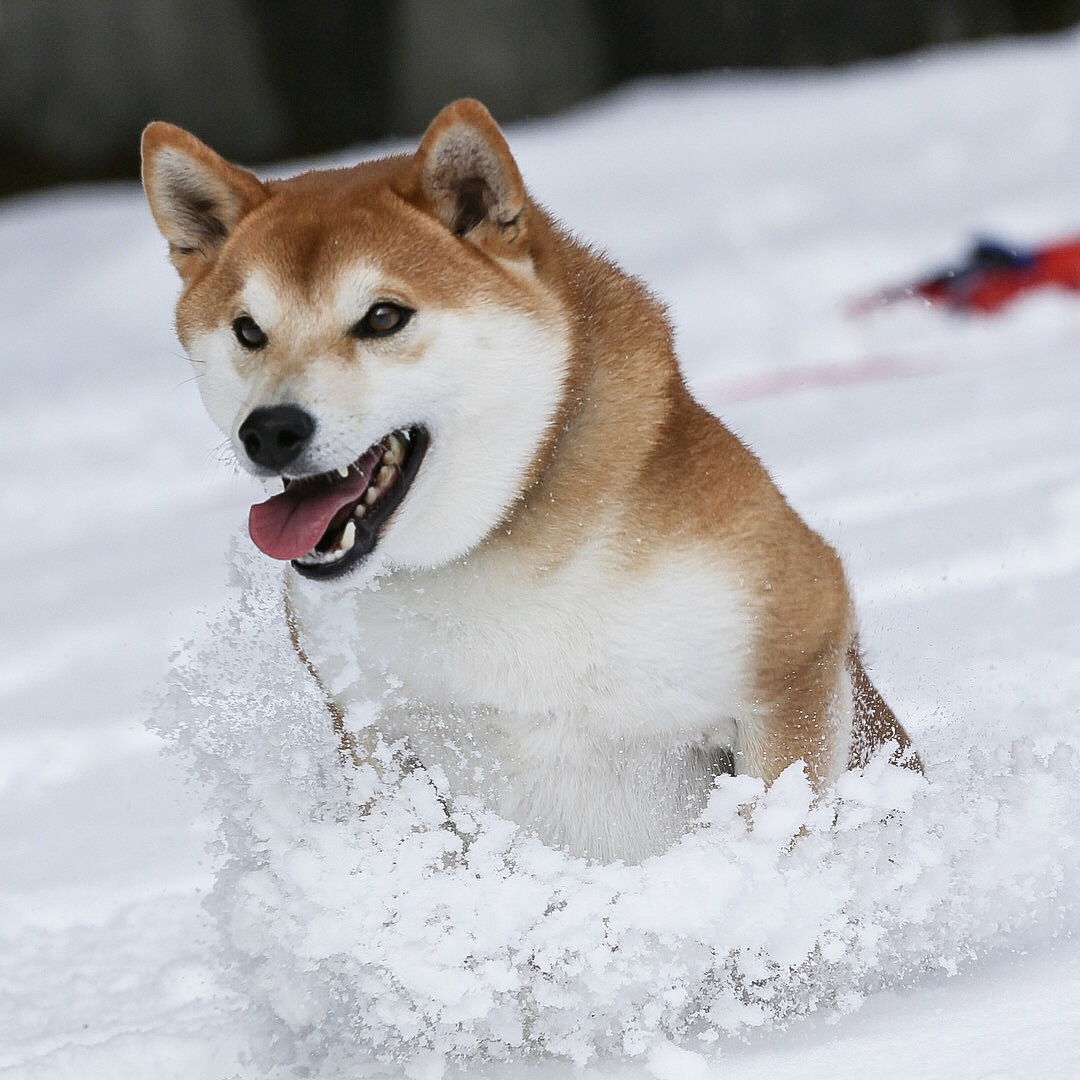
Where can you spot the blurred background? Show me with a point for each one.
(263, 80)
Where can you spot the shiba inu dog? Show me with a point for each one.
(510, 535)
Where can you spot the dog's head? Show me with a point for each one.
(379, 337)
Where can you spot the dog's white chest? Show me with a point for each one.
(586, 701)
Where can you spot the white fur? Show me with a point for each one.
(486, 388)
(568, 696)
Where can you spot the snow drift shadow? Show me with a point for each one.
(392, 936)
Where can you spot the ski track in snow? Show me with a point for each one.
(904, 927)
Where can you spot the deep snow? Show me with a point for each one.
(942, 457)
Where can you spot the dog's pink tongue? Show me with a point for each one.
(289, 525)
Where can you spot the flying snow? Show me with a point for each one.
(369, 918)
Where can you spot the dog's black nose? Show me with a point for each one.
(275, 435)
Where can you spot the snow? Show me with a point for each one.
(192, 896)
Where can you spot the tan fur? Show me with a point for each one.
(629, 459)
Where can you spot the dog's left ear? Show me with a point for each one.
(465, 174)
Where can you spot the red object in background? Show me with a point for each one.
(994, 275)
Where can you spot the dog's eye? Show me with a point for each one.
(382, 319)
(249, 333)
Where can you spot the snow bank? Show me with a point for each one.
(425, 931)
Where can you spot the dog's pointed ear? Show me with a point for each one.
(465, 174)
(195, 195)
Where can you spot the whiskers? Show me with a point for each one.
(221, 465)
(196, 368)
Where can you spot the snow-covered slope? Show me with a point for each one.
(941, 455)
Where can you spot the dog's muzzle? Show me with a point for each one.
(327, 523)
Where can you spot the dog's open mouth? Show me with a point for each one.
(327, 523)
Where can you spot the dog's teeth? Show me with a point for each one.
(395, 451)
(385, 476)
(359, 512)
(370, 496)
(348, 537)
(343, 471)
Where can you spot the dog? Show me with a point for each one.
(511, 536)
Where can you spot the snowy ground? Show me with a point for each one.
(941, 455)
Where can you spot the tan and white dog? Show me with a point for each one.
(505, 520)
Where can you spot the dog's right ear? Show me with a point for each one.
(195, 195)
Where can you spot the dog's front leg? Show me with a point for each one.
(806, 717)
